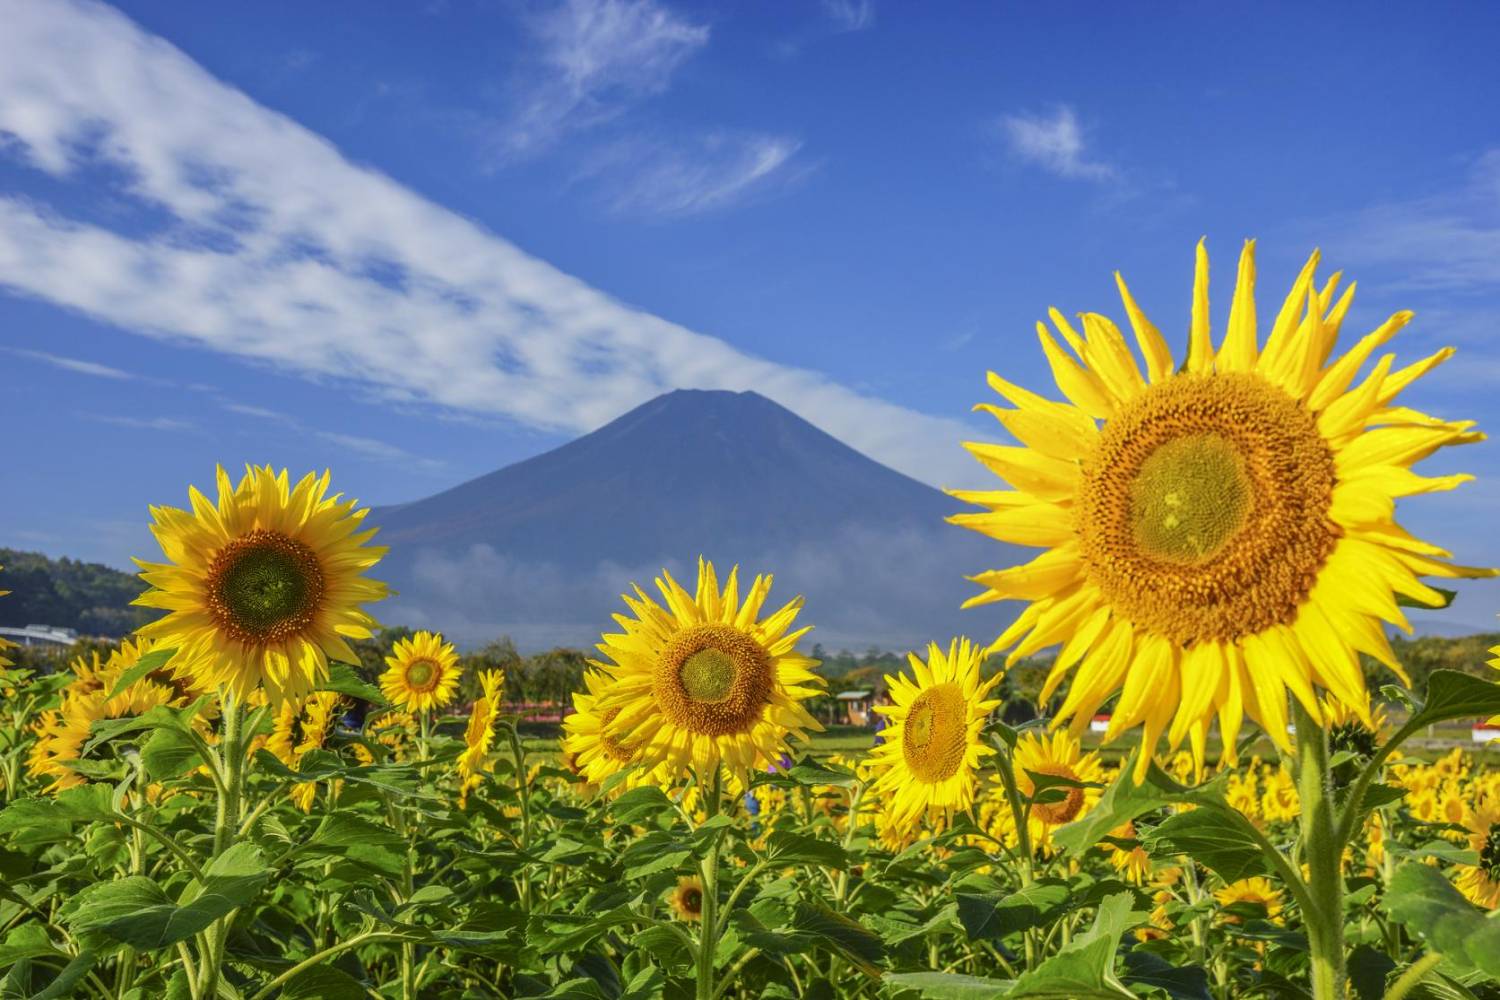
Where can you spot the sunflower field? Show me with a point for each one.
(223, 806)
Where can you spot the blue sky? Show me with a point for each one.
(418, 242)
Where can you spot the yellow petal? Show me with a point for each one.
(1153, 346)
(1200, 347)
(1238, 353)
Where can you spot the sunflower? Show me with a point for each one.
(1132, 862)
(421, 673)
(930, 756)
(1216, 534)
(1255, 890)
(704, 680)
(480, 733)
(314, 717)
(1280, 802)
(1059, 755)
(686, 899)
(594, 753)
(263, 589)
(61, 733)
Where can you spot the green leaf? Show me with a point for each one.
(656, 851)
(1369, 969)
(640, 805)
(1455, 695)
(1144, 968)
(1085, 967)
(169, 753)
(1411, 602)
(1433, 910)
(26, 941)
(49, 820)
(62, 987)
(343, 680)
(949, 985)
(138, 912)
(154, 660)
(323, 982)
(843, 935)
(1124, 800)
(1220, 839)
(788, 848)
(808, 771)
(105, 730)
(997, 915)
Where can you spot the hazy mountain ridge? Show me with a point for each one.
(541, 549)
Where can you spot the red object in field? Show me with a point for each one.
(1099, 724)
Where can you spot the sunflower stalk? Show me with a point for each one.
(708, 869)
(226, 830)
(1322, 852)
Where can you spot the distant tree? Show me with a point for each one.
(90, 597)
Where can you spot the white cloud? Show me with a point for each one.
(850, 15)
(719, 170)
(71, 364)
(334, 271)
(593, 59)
(1053, 142)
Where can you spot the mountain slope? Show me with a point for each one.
(542, 549)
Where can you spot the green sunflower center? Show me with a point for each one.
(713, 680)
(421, 675)
(264, 587)
(1190, 498)
(1489, 854)
(708, 675)
(935, 736)
(1354, 738)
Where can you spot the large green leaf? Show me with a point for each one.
(1432, 909)
(137, 911)
(996, 915)
(843, 935)
(1455, 695)
(1220, 839)
(323, 982)
(169, 753)
(1144, 968)
(1084, 969)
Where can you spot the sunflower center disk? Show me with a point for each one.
(935, 735)
(264, 587)
(708, 676)
(692, 901)
(1203, 514)
(1062, 803)
(422, 675)
(612, 746)
(1189, 499)
(713, 680)
(1489, 855)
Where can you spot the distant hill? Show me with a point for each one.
(90, 597)
(542, 549)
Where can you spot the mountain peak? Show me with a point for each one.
(733, 476)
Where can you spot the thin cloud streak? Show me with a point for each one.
(335, 271)
(77, 365)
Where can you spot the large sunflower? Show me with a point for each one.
(1220, 533)
(421, 673)
(704, 680)
(929, 758)
(264, 588)
(1481, 881)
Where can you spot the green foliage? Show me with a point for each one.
(90, 597)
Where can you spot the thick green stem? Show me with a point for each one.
(1322, 852)
(523, 786)
(708, 934)
(226, 830)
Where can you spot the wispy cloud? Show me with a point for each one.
(722, 169)
(144, 423)
(850, 15)
(368, 447)
(1054, 142)
(335, 271)
(71, 364)
(1443, 241)
(593, 59)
